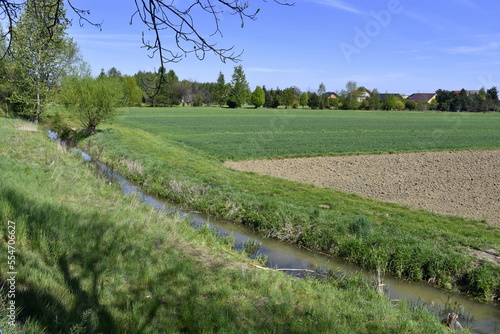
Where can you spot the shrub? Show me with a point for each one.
(361, 227)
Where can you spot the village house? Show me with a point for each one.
(331, 95)
(364, 93)
(422, 97)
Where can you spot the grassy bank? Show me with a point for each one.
(91, 260)
(410, 244)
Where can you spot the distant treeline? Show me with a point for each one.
(167, 90)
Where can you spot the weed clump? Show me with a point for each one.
(361, 227)
(483, 282)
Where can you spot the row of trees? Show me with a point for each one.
(483, 100)
(170, 91)
(43, 65)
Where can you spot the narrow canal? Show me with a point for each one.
(481, 318)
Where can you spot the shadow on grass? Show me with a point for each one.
(71, 255)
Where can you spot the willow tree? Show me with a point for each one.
(91, 100)
(42, 54)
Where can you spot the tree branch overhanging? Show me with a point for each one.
(9, 11)
(185, 20)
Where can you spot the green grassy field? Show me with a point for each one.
(89, 259)
(266, 133)
(417, 245)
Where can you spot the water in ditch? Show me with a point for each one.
(479, 317)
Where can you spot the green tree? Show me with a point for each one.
(220, 91)
(410, 105)
(132, 91)
(304, 98)
(146, 82)
(239, 93)
(482, 93)
(390, 102)
(258, 97)
(448, 100)
(374, 100)
(91, 100)
(42, 55)
(492, 99)
(166, 88)
(288, 97)
(492, 93)
(114, 73)
(314, 100)
(6, 77)
(169, 88)
(400, 105)
(322, 96)
(349, 96)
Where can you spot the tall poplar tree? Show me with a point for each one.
(240, 91)
(220, 90)
(304, 98)
(42, 54)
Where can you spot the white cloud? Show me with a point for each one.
(272, 70)
(409, 51)
(424, 19)
(338, 4)
(473, 49)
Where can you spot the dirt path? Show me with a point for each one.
(461, 183)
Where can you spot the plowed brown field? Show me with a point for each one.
(459, 183)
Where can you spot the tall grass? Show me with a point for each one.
(91, 260)
(411, 244)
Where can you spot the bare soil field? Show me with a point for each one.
(458, 183)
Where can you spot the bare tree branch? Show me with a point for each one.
(185, 20)
(9, 11)
(82, 13)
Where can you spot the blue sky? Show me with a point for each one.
(396, 46)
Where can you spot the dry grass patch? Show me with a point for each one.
(27, 127)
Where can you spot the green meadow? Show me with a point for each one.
(241, 134)
(176, 154)
(89, 259)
